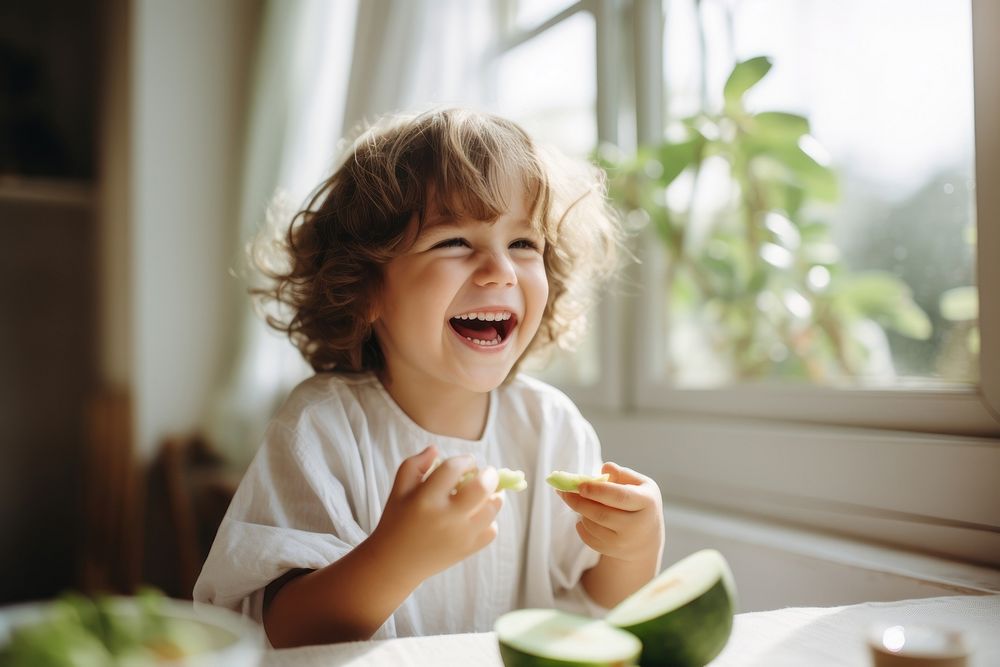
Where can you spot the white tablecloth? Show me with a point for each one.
(813, 636)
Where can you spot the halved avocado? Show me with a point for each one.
(681, 618)
(551, 638)
(684, 616)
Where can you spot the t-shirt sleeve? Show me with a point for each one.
(291, 511)
(571, 557)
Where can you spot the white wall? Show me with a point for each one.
(190, 63)
(791, 558)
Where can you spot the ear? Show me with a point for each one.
(373, 295)
(374, 311)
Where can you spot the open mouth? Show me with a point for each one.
(477, 328)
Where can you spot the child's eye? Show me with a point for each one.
(524, 243)
(452, 243)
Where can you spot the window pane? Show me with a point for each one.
(548, 86)
(823, 228)
(531, 13)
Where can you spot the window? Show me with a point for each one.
(546, 81)
(856, 268)
(892, 436)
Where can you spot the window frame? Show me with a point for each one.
(609, 18)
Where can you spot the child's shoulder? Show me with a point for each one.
(326, 393)
(320, 386)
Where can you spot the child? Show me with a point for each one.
(445, 248)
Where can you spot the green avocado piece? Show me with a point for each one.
(569, 481)
(509, 480)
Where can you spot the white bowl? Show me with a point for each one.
(236, 641)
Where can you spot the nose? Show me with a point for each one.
(496, 268)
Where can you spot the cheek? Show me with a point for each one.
(395, 302)
(536, 284)
(414, 294)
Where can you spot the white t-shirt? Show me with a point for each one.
(317, 487)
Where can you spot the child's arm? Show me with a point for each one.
(622, 519)
(424, 529)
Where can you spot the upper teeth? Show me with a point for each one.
(488, 317)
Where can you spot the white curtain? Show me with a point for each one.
(324, 67)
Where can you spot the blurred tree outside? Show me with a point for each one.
(758, 279)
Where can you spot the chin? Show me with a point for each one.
(486, 382)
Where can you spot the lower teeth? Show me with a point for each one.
(484, 343)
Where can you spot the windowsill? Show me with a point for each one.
(957, 577)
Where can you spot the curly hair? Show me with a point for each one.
(325, 270)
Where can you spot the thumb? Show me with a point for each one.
(622, 475)
(413, 469)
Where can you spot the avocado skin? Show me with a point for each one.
(689, 636)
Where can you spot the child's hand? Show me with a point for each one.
(621, 518)
(429, 522)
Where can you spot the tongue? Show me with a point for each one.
(476, 329)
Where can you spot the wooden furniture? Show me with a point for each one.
(112, 498)
(197, 488)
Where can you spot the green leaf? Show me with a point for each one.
(814, 230)
(724, 273)
(660, 218)
(871, 292)
(745, 75)
(757, 281)
(960, 303)
(818, 181)
(676, 157)
(885, 299)
(683, 296)
(777, 127)
(780, 195)
(910, 320)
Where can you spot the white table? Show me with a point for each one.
(814, 636)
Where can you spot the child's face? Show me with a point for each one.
(430, 322)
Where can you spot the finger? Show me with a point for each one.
(623, 475)
(620, 496)
(445, 478)
(412, 470)
(486, 536)
(569, 498)
(472, 494)
(488, 511)
(588, 538)
(609, 517)
(431, 468)
(605, 535)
